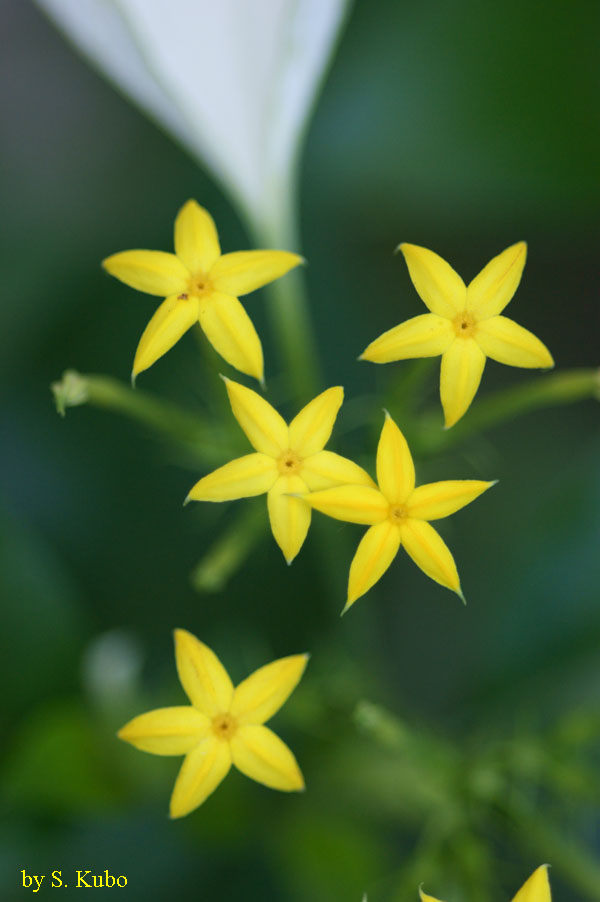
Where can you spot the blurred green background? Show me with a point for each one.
(463, 127)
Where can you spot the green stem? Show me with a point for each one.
(565, 387)
(230, 550)
(288, 307)
(75, 389)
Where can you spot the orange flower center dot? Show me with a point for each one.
(289, 463)
(199, 285)
(224, 726)
(397, 513)
(465, 325)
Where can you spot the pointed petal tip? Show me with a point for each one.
(347, 606)
(448, 424)
(134, 376)
(459, 592)
(180, 634)
(406, 245)
(187, 499)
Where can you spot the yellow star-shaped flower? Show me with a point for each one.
(222, 726)
(536, 889)
(464, 325)
(201, 285)
(398, 514)
(289, 460)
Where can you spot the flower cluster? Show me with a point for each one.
(290, 464)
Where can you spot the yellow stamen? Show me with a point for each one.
(465, 325)
(289, 463)
(224, 726)
(199, 285)
(397, 513)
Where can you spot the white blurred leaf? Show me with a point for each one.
(232, 80)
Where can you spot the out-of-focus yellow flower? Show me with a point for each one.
(222, 726)
(289, 461)
(536, 889)
(464, 324)
(398, 514)
(201, 285)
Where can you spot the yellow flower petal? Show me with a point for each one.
(266, 430)
(326, 469)
(172, 320)
(537, 888)
(375, 553)
(244, 477)
(166, 731)
(290, 517)
(505, 341)
(395, 467)
(429, 552)
(196, 238)
(352, 503)
(231, 333)
(201, 772)
(244, 271)
(491, 290)
(311, 428)
(422, 336)
(263, 693)
(425, 898)
(154, 272)
(438, 285)
(462, 368)
(203, 677)
(263, 757)
(440, 499)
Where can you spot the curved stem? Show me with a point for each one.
(565, 387)
(190, 430)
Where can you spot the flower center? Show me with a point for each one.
(224, 726)
(289, 463)
(198, 285)
(465, 325)
(397, 513)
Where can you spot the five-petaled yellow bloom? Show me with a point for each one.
(201, 285)
(397, 514)
(289, 460)
(464, 324)
(222, 726)
(536, 889)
